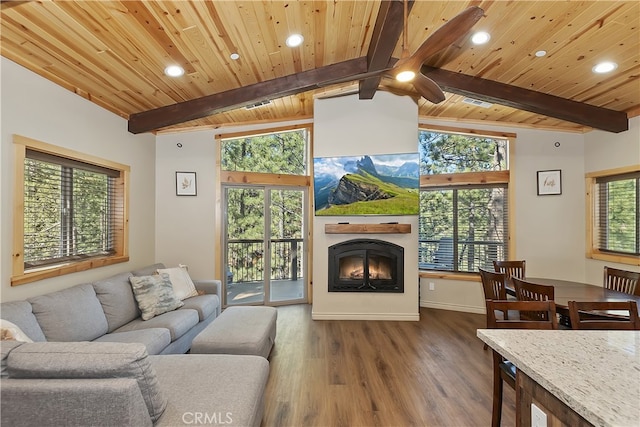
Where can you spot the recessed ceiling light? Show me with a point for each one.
(480, 37)
(541, 53)
(174, 71)
(604, 67)
(234, 56)
(294, 40)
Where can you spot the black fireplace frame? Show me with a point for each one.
(365, 248)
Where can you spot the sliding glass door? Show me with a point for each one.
(265, 245)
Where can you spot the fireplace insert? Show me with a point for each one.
(366, 265)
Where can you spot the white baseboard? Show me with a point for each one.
(453, 307)
(366, 316)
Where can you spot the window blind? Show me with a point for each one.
(70, 211)
(618, 213)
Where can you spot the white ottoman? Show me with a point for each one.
(239, 330)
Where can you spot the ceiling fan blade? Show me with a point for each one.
(428, 88)
(444, 36)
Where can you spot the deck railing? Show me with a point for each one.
(437, 254)
(247, 263)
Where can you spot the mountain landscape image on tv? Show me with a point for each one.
(366, 185)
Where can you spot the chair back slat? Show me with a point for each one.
(622, 280)
(545, 319)
(494, 284)
(596, 315)
(510, 268)
(526, 291)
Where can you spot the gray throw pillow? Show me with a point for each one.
(154, 295)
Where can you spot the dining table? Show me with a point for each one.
(565, 291)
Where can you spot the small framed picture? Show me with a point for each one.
(186, 184)
(549, 182)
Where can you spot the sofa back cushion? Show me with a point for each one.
(80, 360)
(20, 313)
(72, 314)
(117, 300)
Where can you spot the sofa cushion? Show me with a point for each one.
(154, 339)
(57, 360)
(72, 314)
(20, 313)
(205, 305)
(5, 348)
(73, 403)
(117, 300)
(234, 387)
(182, 284)
(154, 294)
(178, 323)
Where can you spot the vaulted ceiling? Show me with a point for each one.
(114, 53)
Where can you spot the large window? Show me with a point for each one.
(464, 215)
(614, 215)
(277, 152)
(72, 214)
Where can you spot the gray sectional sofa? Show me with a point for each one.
(95, 362)
(107, 311)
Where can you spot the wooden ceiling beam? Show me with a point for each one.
(193, 109)
(528, 100)
(386, 32)
(462, 84)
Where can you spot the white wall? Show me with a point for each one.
(347, 126)
(185, 232)
(550, 230)
(38, 109)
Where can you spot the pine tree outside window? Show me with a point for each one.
(614, 215)
(73, 212)
(464, 220)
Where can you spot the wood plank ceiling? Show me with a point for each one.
(114, 53)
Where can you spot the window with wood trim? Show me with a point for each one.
(72, 215)
(614, 215)
(275, 152)
(464, 200)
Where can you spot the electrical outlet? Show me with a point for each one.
(432, 286)
(538, 417)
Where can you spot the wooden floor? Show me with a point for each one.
(373, 373)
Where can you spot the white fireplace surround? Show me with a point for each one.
(347, 126)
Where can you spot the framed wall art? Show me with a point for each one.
(549, 182)
(186, 184)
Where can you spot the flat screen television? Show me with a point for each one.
(366, 185)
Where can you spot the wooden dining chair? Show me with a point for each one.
(510, 268)
(503, 370)
(622, 280)
(494, 286)
(526, 291)
(592, 315)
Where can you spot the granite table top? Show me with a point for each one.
(595, 373)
